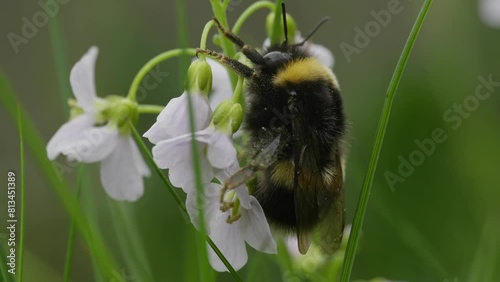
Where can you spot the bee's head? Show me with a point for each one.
(276, 59)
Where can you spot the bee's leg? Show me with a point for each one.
(248, 50)
(238, 67)
(237, 179)
(262, 159)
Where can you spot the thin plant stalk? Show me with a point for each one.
(384, 119)
(72, 231)
(206, 273)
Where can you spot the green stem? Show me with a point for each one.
(203, 264)
(23, 191)
(72, 230)
(238, 91)
(150, 109)
(384, 119)
(276, 31)
(60, 60)
(171, 190)
(249, 11)
(204, 36)
(151, 64)
(228, 48)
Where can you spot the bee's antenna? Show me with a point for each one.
(324, 20)
(285, 27)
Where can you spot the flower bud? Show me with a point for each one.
(236, 117)
(228, 116)
(290, 22)
(221, 112)
(199, 77)
(119, 110)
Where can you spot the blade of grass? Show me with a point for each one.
(72, 230)
(21, 155)
(171, 190)
(482, 266)
(62, 70)
(129, 240)
(219, 9)
(37, 146)
(206, 272)
(89, 206)
(384, 119)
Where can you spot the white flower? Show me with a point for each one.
(489, 12)
(221, 84)
(171, 135)
(318, 51)
(122, 166)
(251, 227)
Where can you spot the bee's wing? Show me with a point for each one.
(332, 212)
(307, 181)
(315, 201)
(306, 209)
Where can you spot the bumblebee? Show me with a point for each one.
(295, 123)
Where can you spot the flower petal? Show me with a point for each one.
(227, 237)
(211, 200)
(174, 118)
(221, 84)
(221, 152)
(141, 165)
(323, 55)
(255, 229)
(68, 132)
(81, 141)
(320, 52)
(243, 196)
(489, 12)
(176, 155)
(82, 79)
(121, 175)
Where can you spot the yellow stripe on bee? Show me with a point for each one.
(307, 69)
(283, 173)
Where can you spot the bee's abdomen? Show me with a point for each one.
(278, 205)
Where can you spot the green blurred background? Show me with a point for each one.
(441, 224)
